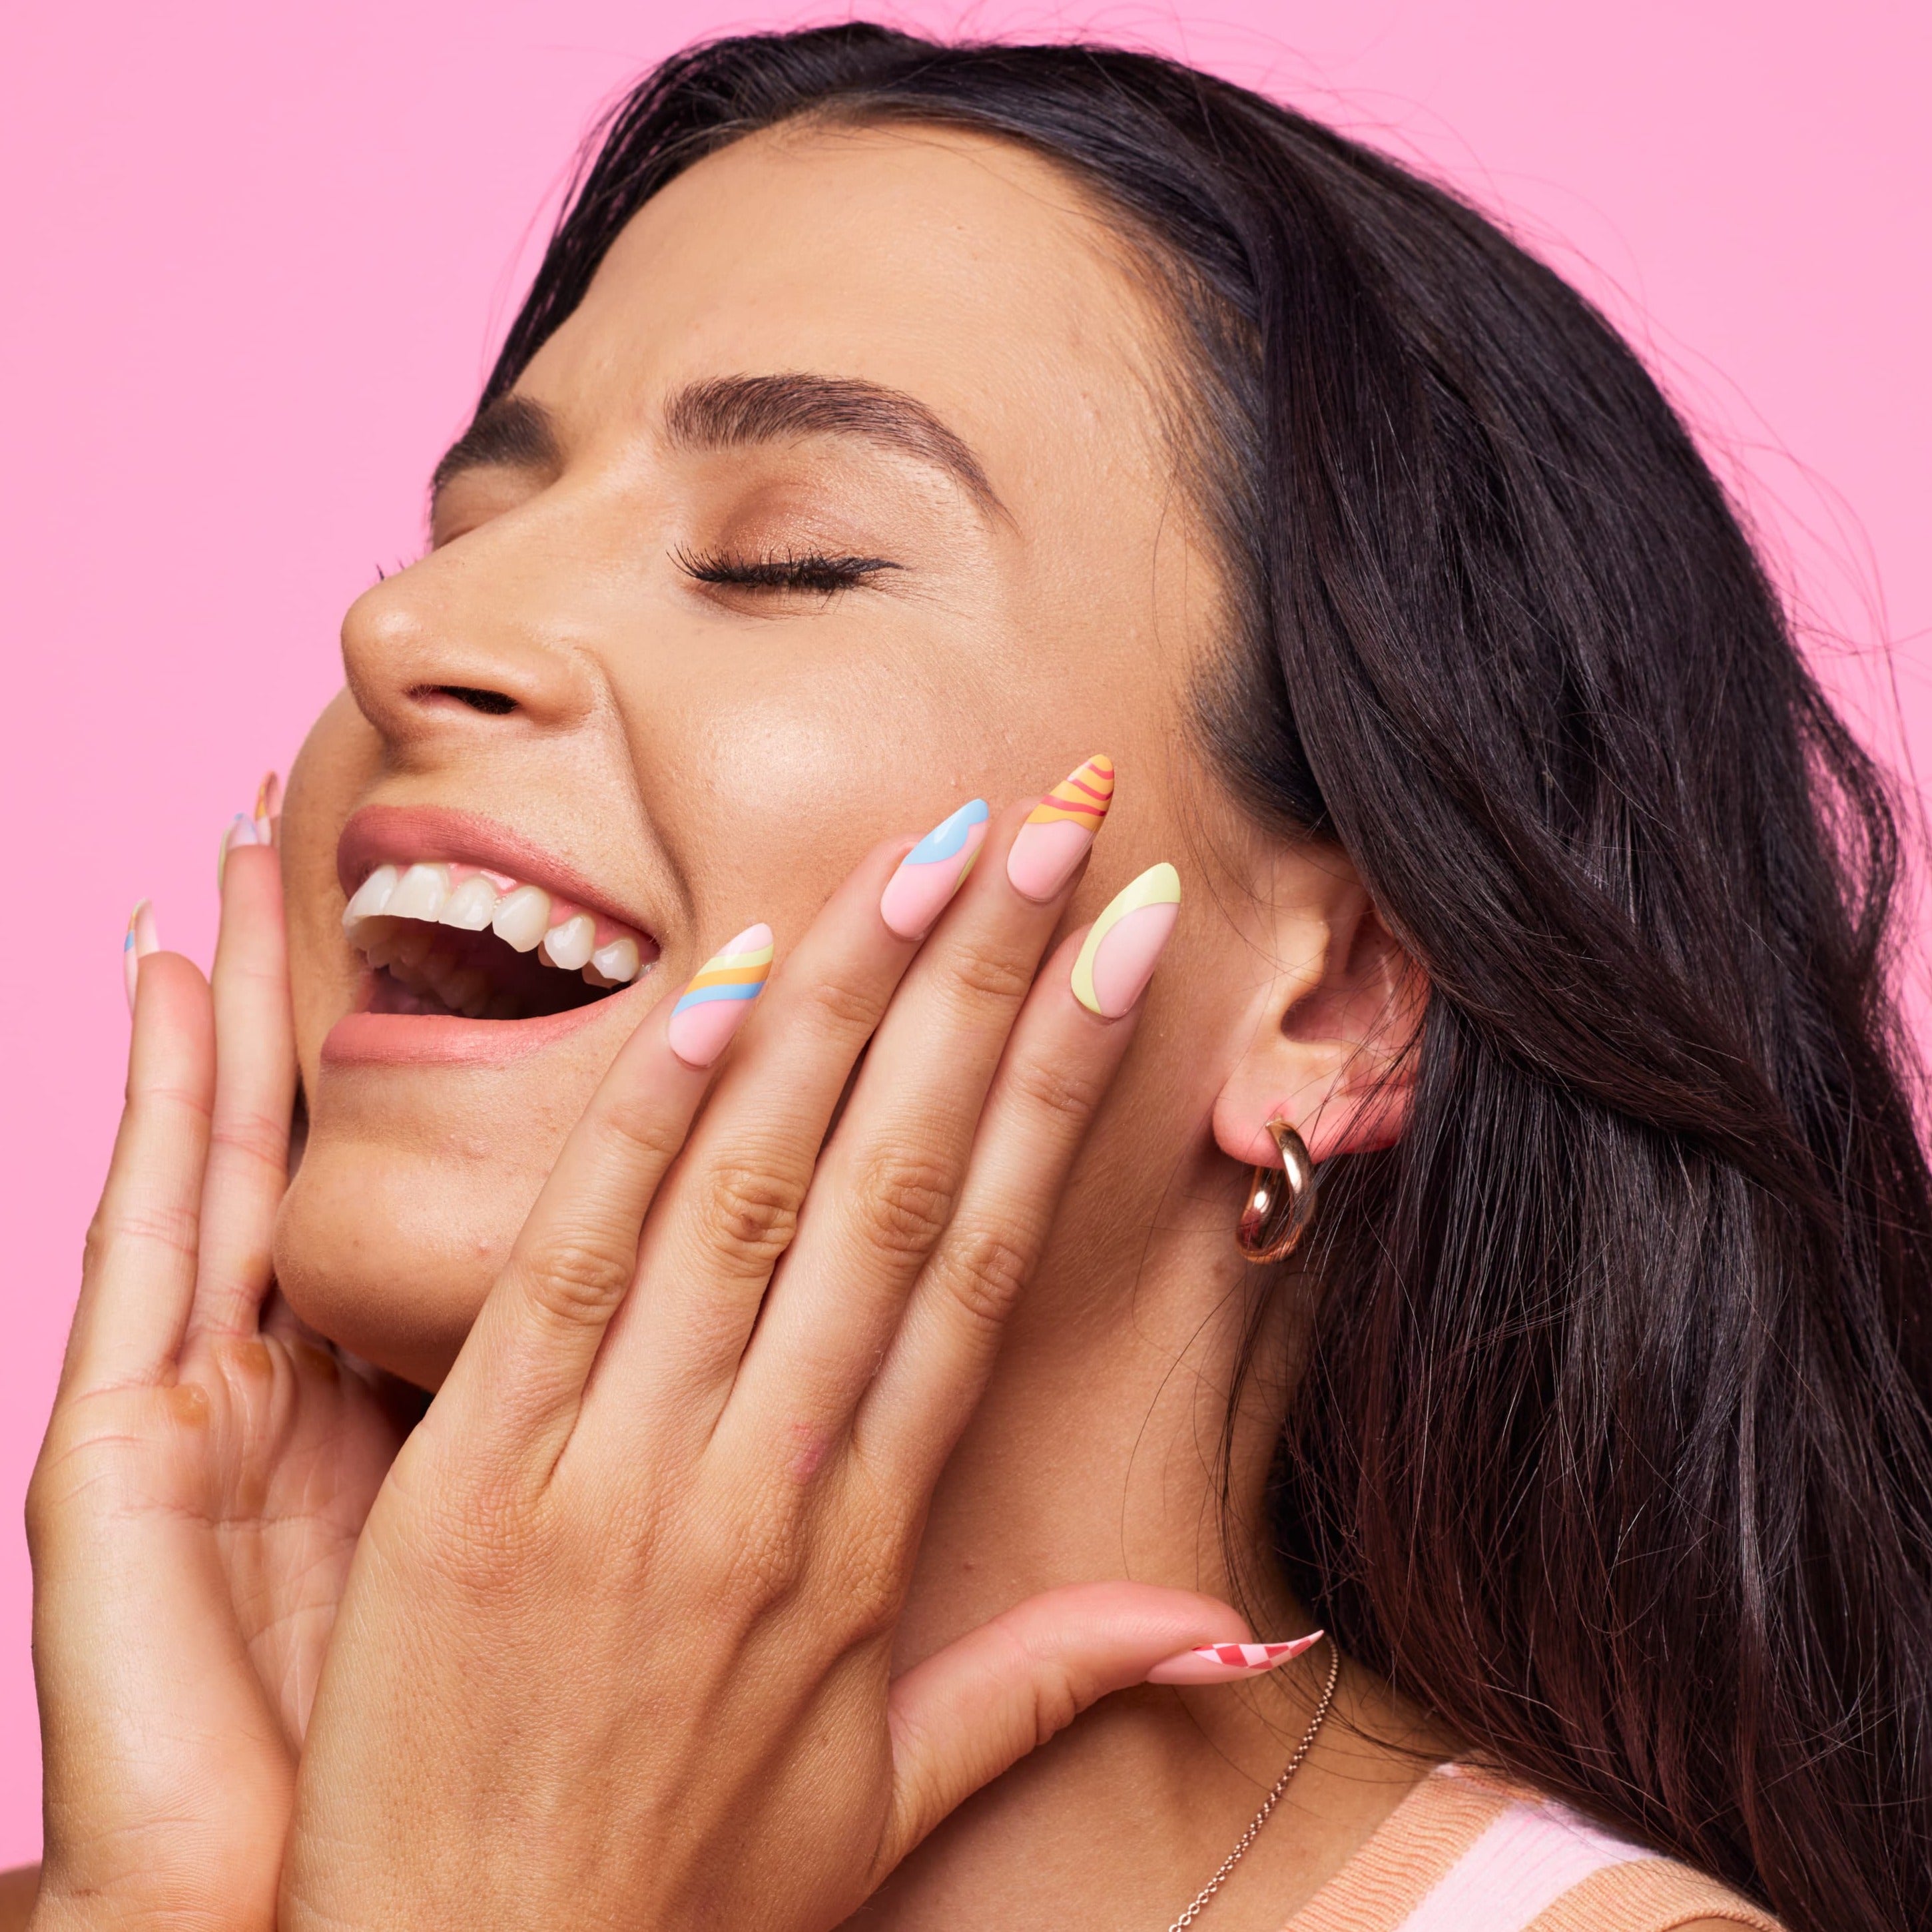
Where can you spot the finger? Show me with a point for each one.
(1056, 1069)
(254, 1091)
(886, 1188)
(137, 1279)
(973, 1711)
(521, 1373)
(731, 1209)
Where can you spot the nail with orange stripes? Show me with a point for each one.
(1060, 829)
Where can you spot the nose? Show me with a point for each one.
(460, 644)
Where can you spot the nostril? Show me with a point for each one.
(495, 703)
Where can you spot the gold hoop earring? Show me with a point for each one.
(1281, 1200)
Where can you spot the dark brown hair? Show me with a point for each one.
(1613, 1449)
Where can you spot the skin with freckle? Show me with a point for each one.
(690, 758)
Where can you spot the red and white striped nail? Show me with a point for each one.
(1227, 1663)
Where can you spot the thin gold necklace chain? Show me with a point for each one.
(1199, 1902)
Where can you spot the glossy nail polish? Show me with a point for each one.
(1125, 942)
(1060, 829)
(715, 1005)
(268, 809)
(143, 938)
(1227, 1663)
(932, 872)
(242, 830)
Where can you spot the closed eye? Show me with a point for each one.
(814, 572)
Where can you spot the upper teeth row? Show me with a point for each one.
(524, 917)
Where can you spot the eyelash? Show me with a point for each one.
(812, 571)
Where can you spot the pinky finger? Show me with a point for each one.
(972, 1712)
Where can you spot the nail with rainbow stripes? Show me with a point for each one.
(932, 872)
(143, 938)
(1059, 830)
(715, 1005)
(1124, 944)
(1227, 1663)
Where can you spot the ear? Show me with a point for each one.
(1328, 1040)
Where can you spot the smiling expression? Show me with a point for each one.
(843, 497)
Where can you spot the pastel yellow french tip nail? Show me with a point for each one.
(1125, 942)
(143, 938)
(268, 809)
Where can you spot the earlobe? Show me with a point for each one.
(1330, 1051)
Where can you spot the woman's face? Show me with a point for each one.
(844, 496)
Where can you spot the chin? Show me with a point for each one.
(390, 1253)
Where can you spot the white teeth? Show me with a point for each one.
(618, 961)
(568, 945)
(472, 906)
(372, 895)
(522, 917)
(422, 894)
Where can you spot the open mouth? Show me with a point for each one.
(444, 938)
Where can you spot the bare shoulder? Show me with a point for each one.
(17, 1890)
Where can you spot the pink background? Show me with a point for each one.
(259, 255)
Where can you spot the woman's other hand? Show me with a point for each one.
(206, 1471)
(616, 1648)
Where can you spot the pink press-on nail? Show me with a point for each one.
(717, 1000)
(268, 809)
(931, 873)
(1060, 829)
(1124, 944)
(143, 938)
(1227, 1663)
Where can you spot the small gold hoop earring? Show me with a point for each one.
(1281, 1200)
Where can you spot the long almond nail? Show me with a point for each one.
(715, 1005)
(1060, 829)
(932, 872)
(143, 938)
(242, 830)
(1227, 1663)
(268, 809)
(1124, 943)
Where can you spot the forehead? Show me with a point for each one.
(960, 269)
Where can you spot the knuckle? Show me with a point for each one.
(982, 973)
(983, 1269)
(752, 1214)
(575, 1279)
(906, 1202)
(258, 1138)
(843, 1007)
(1066, 1095)
(645, 1133)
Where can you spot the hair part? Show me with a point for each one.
(1614, 1447)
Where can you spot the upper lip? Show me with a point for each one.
(405, 835)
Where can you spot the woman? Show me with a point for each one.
(841, 1391)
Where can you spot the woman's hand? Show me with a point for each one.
(205, 1475)
(616, 1647)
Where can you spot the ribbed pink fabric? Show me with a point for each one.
(1467, 1852)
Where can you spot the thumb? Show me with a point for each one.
(977, 1707)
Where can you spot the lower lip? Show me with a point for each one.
(431, 1039)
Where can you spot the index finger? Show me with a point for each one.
(137, 1279)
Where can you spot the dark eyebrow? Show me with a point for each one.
(728, 410)
(514, 433)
